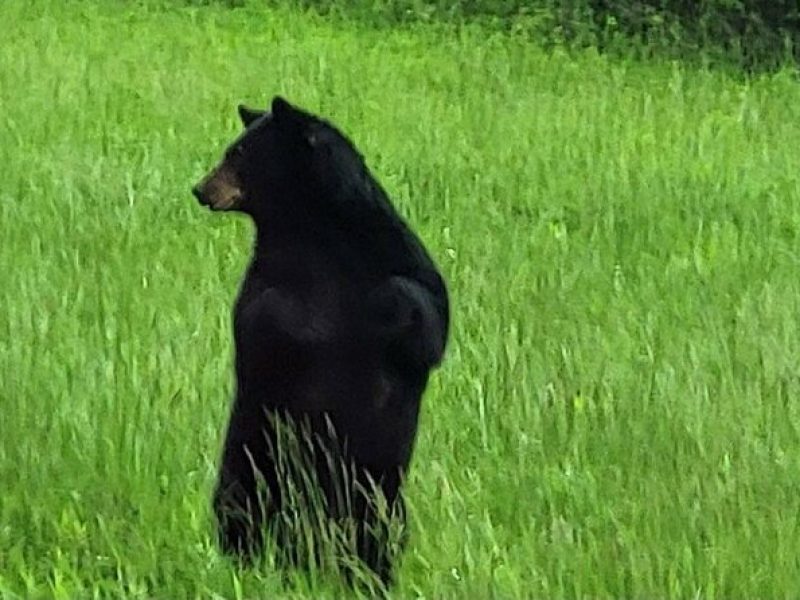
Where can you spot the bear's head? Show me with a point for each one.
(283, 161)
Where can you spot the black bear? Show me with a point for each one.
(339, 320)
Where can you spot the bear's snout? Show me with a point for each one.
(220, 190)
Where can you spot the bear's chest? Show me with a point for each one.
(300, 300)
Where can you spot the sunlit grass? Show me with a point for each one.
(617, 413)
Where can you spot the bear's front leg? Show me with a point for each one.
(276, 314)
(406, 314)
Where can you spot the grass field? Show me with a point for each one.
(618, 412)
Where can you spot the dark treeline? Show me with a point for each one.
(754, 34)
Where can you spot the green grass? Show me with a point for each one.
(617, 415)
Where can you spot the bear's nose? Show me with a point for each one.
(198, 194)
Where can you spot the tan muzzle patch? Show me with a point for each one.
(220, 189)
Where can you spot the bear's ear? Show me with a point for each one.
(294, 120)
(248, 115)
(282, 110)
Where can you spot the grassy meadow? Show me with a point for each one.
(618, 412)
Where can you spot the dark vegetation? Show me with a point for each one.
(756, 35)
